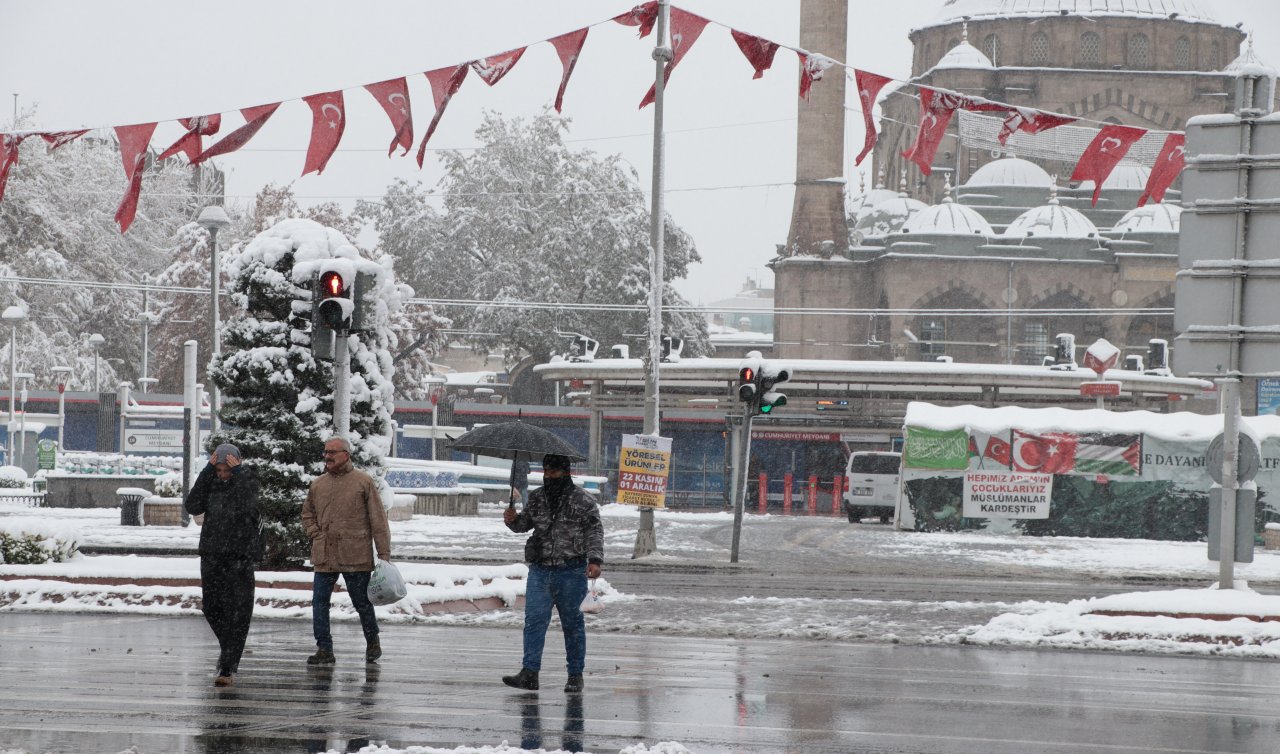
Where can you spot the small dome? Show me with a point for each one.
(948, 218)
(1249, 64)
(1051, 221)
(888, 216)
(963, 55)
(1127, 176)
(1153, 218)
(1010, 171)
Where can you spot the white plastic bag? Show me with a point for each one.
(386, 585)
(591, 603)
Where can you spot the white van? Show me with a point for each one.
(871, 485)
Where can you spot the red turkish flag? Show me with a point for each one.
(494, 67)
(998, 450)
(8, 156)
(869, 86)
(568, 47)
(133, 154)
(1103, 154)
(254, 119)
(936, 111)
(644, 16)
(444, 84)
(1047, 453)
(1168, 165)
(393, 95)
(685, 30)
(812, 67)
(56, 139)
(759, 51)
(328, 121)
(1030, 121)
(205, 125)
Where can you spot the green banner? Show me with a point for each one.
(936, 449)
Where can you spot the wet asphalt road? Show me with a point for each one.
(81, 683)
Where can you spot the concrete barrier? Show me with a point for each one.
(457, 501)
(162, 511)
(91, 490)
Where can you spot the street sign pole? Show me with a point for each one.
(1230, 455)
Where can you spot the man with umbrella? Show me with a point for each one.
(565, 549)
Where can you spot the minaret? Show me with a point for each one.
(817, 213)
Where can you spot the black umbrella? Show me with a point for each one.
(517, 441)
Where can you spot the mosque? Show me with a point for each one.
(996, 252)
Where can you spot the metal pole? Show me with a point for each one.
(62, 414)
(341, 394)
(122, 394)
(740, 482)
(216, 345)
(146, 329)
(13, 380)
(96, 371)
(646, 536)
(190, 415)
(1230, 454)
(435, 421)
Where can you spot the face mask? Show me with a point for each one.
(559, 486)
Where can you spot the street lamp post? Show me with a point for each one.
(23, 377)
(214, 218)
(13, 315)
(62, 375)
(96, 341)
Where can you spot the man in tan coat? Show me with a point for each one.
(343, 513)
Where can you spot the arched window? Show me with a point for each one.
(1139, 52)
(1090, 49)
(1039, 48)
(1182, 54)
(1215, 56)
(991, 47)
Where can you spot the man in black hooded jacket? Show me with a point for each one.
(230, 546)
(565, 549)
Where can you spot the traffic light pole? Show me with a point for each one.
(341, 379)
(741, 439)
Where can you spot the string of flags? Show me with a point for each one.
(329, 120)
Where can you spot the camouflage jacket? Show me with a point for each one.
(573, 531)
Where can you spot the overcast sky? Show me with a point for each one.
(730, 139)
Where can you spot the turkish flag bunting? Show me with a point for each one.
(494, 67)
(936, 110)
(254, 119)
(1168, 165)
(1030, 121)
(1103, 154)
(869, 86)
(133, 154)
(56, 139)
(328, 121)
(205, 125)
(1047, 453)
(644, 16)
(393, 95)
(759, 51)
(444, 84)
(8, 156)
(685, 30)
(812, 67)
(568, 47)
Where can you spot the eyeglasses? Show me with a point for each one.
(329, 453)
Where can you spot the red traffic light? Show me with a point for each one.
(747, 374)
(332, 285)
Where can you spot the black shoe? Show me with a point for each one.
(322, 657)
(526, 679)
(574, 686)
(372, 650)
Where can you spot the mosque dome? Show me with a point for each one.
(964, 55)
(888, 216)
(1153, 218)
(1127, 176)
(1010, 171)
(948, 218)
(954, 11)
(1250, 64)
(1051, 221)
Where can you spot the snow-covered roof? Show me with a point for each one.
(888, 216)
(954, 11)
(963, 55)
(1153, 218)
(948, 217)
(1051, 221)
(1010, 171)
(1249, 64)
(1129, 176)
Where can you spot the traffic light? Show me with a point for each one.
(671, 348)
(748, 391)
(331, 310)
(770, 398)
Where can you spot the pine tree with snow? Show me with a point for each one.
(277, 397)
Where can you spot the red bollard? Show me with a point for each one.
(764, 493)
(813, 494)
(787, 481)
(837, 487)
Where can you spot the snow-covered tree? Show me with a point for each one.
(526, 218)
(278, 399)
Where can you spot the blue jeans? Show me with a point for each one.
(564, 587)
(322, 589)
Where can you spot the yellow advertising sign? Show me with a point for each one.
(643, 467)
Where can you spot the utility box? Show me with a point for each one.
(1246, 503)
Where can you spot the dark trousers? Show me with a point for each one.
(322, 590)
(227, 591)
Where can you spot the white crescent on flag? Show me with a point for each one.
(1029, 453)
(325, 108)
